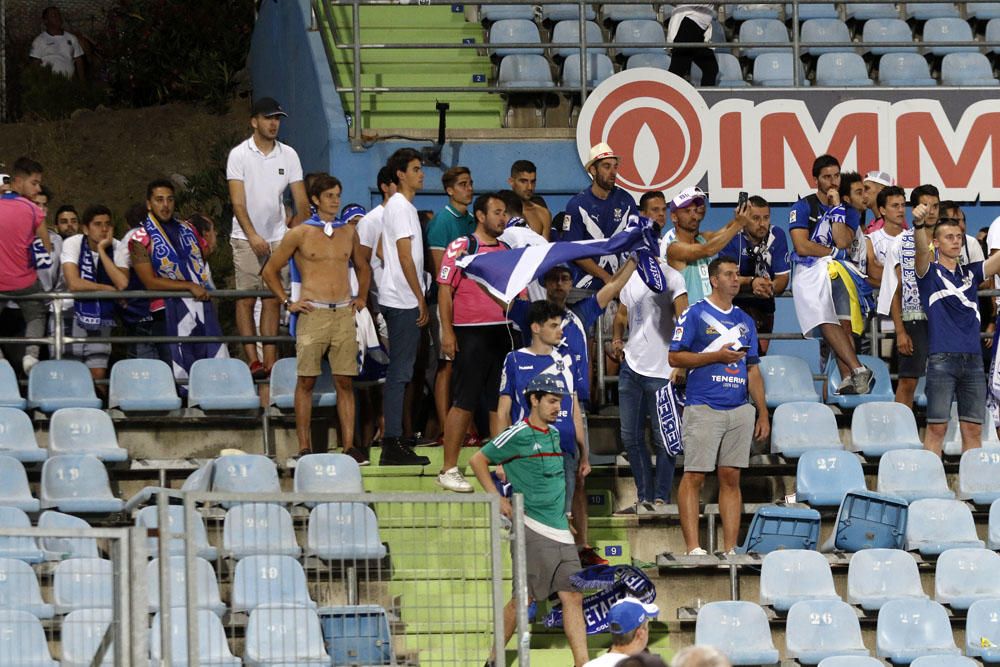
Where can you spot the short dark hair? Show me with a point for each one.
(400, 160)
(822, 162)
(384, 177)
(25, 166)
(522, 167)
(758, 202)
(93, 211)
(514, 204)
(888, 191)
(647, 196)
(848, 179)
(45, 12)
(543, 310)
(71, 209)
(323, 183)
(312, 176)
(159, 183)
(482, 203)
(923, 190)
(135, 214)
(713, 266)
(949, 205)
(201, 223)
(46, 192)
(449, 177)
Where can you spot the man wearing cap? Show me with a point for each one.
(532, 460)
(598, 212)
(629, 625)
(259, 170)
(873, 183)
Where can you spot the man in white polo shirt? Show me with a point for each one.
(259, 171)
(57, 49)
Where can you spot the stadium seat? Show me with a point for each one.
(774, 528)
(905, 69)
(213, 648)
(786, 379)
(344, 531)
(824, 476)
(912, 474)
(567, 12)
(967, 69)
(944, 661)
(764, 30)
(982, 621)
(327, 473)
(979, 476)
(813, 11)
(908, 629)
(866, 12)
(149, 518)
(655, 60)
(923, 11)
(636, 31)
(869, 520)
(82, 583)
(934, 526)
(501, 12)
(824, 30)
(77, 483)
(566, 38)
(259, 528)
(616, 13)
(17, 437)
(514, 31)
(143, 385)
(244, 473)
(85, 431)
(14, 489)
(952, 445)
(10, 392)
(61, 383)
(845, 69)
(818, 629)
(882, 388)
(284, 378)
(800, 427)
(883, 426)
(358, 635)
(221, 384)
(966, 575)
(882, 36)
(269, 580)
(207, 587)
(754, 11)
(947, 30)
(738, 629)
(64, 548)
(850, 661)
(21, 547)
(984, 11)
(525, 71)
(994, 526)
(278, 635)
(876, 576)
(22, 640)
(773, 70)
(789, 576)
(599, 68)
(82, 633)
(730, 72)
(19, 589)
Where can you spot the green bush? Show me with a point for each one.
(49, 96)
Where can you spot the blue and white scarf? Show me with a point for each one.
(611, 583)
(293, 270)
(669, 409)
(93, 314)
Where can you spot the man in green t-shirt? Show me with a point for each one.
(531, 457)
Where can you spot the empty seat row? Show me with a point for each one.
(75, 483)
(71, 431)
(79, 583)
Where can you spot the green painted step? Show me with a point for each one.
(408, 34)
(478, 66)
(444, 79)
(487, 119)
(396, 16)
(458, 102)
(407, 57)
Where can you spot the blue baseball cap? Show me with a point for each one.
(630, 613)
(351, 212)
(547, 384)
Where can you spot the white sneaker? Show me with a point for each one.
(697, 551)
(28, 362)
(453, 481)
(645, 508)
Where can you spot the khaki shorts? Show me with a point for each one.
(326, 332)
(549, 565)
(717, 438)
(248, 266)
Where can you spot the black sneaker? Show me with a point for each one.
(398, 453)
(359, 454)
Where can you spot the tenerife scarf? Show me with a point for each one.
(669, 409)
(93, 314)
(610, 584)
(293, 271)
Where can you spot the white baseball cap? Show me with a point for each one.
(686, 197)
(880, 177)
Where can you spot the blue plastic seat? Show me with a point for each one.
(82, 632)
(876, 576)
(213, 647)
(525, 71)
(259, 528)
(284, 636)
(327, 473)
(357, 635)
(800, 427)
(149, 518)
(850, 661)
(923, 11)
(788, 576)
(85, 431)
(567, 12)
(61, 383)
(825, 30)
(207, 586)
(869, 520)
(514, 31)
(866, 12)
(22, 640)
(21, 547)
(982, 621)
(912, 474)
(17, 437)
(846, 69)
(944, 661)
(905, 69)
(984, 11)
(883, 426)
(269, 579)
(730, 72)
(599, 68)
(933, 526)
(501, 12)
(344, 531)
(952, 445)
(82, 583)
(774, 528)
(637, 31)
(222, 384)
(979, 475)
(284, 377)
(10, 392)
(19, 589)
(616, 13)
(818, 629)
(143, 385)
(764, 30)
(966, 575)
(754, 11)
(967, 69)
(908, 629)
(77, 483)
(882, 36)
(882, 387)
(947, 30)
(813, 11)
(245, 473)
(14, 489)
(773, 70)
(739, 629)
(64, 548)
(655, 60)
(566, 38)
(994, 526)
(786, 379)
(824, 476)
(993, 34)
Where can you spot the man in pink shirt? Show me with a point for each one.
(23, 222)
(474, 335)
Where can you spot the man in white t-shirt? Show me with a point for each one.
(629, 626)
(259, 170)
(57, 49)
(370, 231)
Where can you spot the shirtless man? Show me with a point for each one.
(523, 177)
(322, 247)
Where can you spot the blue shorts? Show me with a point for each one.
(959, 377)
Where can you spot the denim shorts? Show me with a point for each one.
(959, 377)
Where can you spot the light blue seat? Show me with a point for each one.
(799, 427)
(64, 548)
(22, 640)
(327, 473)
(764, 30)
(963, 576)
(979, 476)
(149, 518)
(501, 12)
(599, 68)
(882, 36)
(514, 31)
(994, 526)
(908, 629)
(244, 473)
(912, 474)
(866, 12)
(82, 632)
(934, 525)
(85, 431)
(77, 483)
(19, 589)
(780, 527)
(566, 38)
(269, 579)
(284, 636)
(221, 384)
(10, 392)
(947, 30)
(786, 379)
(920, 393)
(982, 621)
(868, 520)
(739, 629)
(357, 634)
(82, 583)
(876, 576)
(883, 426)
(944, 661)
(824, 476)
(259, 528)
(993, 34)
(846, 69)
(812, 12)
(655, 60)
(207, 587)
(952, 445)
(14, 489)
(967, 69)
(850, 661)
(755, 11)
(882, 387)
(906, 69)
(730, 72)
(825, 30)
(788, 576)
(21, 547)
(17, 437)
(213, 648)
(638, 31)
(818, 629)
(772, 70)
(344, 531)
(616, 13)
(284, 378)
(61, 383)
(923, 11)
(567, 12)
(525, 71)
(984, 11)
(143, 385)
